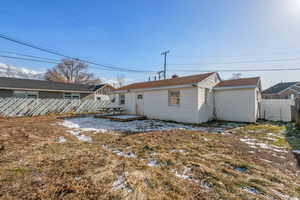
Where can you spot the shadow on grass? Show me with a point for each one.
(293, 138)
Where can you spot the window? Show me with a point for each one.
(26, 94)
(71, 96)
(206, 92)
(174, 97)
(291, 96)
(113, 100)
(122, 99)
(140, 96)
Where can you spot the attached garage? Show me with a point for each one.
(238, 100)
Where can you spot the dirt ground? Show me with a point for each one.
(40, 159)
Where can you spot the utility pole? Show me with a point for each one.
(165, 62)
(159, 74)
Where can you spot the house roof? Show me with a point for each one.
(168, 82)
(279, 87)
(239, 82)
(42, 85)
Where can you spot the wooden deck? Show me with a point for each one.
(120, 118)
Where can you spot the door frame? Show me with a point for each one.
(139, 108)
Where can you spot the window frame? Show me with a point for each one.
(71, 96)
(174, 95)
(26, 94)
(122, 100)
(140, 96)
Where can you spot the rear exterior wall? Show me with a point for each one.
(238, 105)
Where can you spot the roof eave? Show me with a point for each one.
(44, 90)
(236, 87)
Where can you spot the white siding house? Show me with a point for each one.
(238, 100)
(189, 99)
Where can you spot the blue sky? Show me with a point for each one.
(200, 34)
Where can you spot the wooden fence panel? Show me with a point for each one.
(13, 107)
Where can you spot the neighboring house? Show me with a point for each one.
(238, 99)
(190, 99)
(284, 90)
(28, 88)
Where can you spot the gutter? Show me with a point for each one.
(236, 87)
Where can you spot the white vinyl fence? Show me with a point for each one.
(277, 109)
(13, 107)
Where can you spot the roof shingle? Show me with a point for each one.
(279, 87)
(168, 82)
(239, 82)
(17, 83)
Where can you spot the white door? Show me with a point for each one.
(140, 104)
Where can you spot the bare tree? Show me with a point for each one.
(71, 71)
(120, 80)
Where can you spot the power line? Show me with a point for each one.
(116, 68)
(30, 56)
(45, 60)
(174, 70)
(28, 59)
(241, 70)
(240, 62)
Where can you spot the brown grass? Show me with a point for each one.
(33, 165)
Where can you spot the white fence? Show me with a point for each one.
(276, 109)
(12, 107)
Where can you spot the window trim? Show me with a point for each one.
(122, 101)
(72, 95)
(140, 96)
(170, 97)
(27, 94)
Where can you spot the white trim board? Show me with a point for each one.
(236, 87)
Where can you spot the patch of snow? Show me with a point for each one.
(251, 190)
(241, 169)
(153, 163)
(84, 138)
(105, 125)
(122, 154)
(272, 134)
(79, 136)
(119, 152)
(268, 161)
(122, 184)
(126, 116)
(296, 151)
(184, 174)
(181, 175)
(62, 139)
(254, 144)
(178, 151)
(283, 196)
(206, 185)
(93, 130)
(69, 124)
